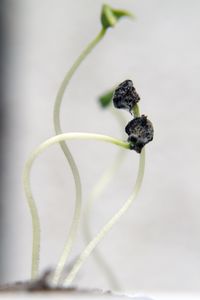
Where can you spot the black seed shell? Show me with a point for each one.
(125, 96)
(140, 132)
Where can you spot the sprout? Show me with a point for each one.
(109, 18)
(140, 131)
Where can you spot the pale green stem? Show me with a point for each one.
(136, 111)
(90, 247)
(57, 107)
(27, 187)
(97, 191)
(99, 187)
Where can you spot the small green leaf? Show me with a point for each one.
(106, 98)
(110, 16)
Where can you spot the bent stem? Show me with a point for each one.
(69, 157)
(97, 190)
(27, 187)
(91, 246)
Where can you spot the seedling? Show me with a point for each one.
(126, 97)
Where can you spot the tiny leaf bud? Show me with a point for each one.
(106, 99)
(110, 16)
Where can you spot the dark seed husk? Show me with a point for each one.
(125, 96)
(140, 132)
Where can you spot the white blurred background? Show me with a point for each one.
(156, 245)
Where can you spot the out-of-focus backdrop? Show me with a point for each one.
(156, 245)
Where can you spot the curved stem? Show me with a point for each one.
(68, 77)
(69, 157)
(90, 247)
(27, 187)
(97, 190)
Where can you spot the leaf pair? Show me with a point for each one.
(110, 16)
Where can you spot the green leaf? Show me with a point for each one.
(106, 99)
(110, 16)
